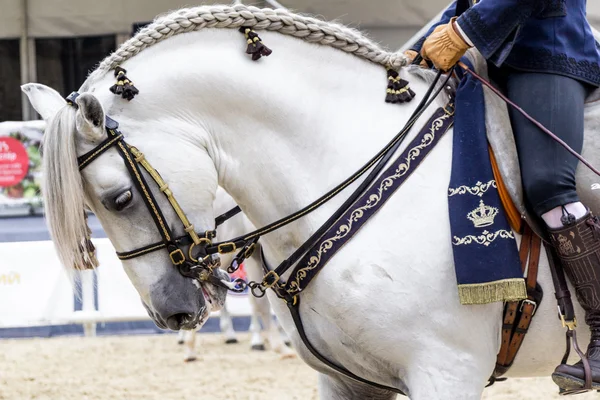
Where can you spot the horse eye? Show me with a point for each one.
(123, 199)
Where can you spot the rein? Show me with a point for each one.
(529, 117)
(201, 265)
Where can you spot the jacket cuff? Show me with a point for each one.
(489, 39)
(463, 34)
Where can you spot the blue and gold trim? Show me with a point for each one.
(485, 252)
(370, 202)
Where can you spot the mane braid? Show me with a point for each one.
(233, 17)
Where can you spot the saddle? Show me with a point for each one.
(518, 315)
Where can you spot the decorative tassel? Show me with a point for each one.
(124, 87)
(398, 90)
(255, 46)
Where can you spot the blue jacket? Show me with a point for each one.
(551, 36)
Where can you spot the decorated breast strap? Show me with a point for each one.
(367, 205)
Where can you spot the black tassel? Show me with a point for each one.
(398, 90)
(255, 46)
(124, 87)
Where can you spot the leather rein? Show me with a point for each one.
(199, 261)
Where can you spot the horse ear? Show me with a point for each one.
(90, 116)
(44, 99)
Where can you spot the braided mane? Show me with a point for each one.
(280, 20)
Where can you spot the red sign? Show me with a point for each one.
(14, 162)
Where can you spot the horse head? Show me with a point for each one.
(133, 216)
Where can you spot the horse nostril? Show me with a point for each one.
(176, 321)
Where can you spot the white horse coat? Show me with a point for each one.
(277, 134)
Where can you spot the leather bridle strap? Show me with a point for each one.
(164, 188)
(315, 237)
(375, 162)
(133, 158)
(87, 158)
(176, 255)
(227, 215)
(183, 240)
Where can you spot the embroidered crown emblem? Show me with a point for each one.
(482, 215)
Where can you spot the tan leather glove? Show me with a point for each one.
(411, 54)
(444, 47)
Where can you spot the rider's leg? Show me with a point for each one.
(549, 185)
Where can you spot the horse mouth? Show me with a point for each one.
(214, 296)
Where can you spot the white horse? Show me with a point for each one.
(259, 307)
(277, 134)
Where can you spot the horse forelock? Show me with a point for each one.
(62, 189)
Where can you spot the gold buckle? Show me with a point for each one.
(267, 285)
(202, 240)
(449, 109)
(222, 248)
(179, 253)
(250, 250)
(571, 325)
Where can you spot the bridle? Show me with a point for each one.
(200, 259)
(195, 262)
(199, 262)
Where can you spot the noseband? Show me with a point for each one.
(196, 262)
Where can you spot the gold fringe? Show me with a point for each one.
(490, 292)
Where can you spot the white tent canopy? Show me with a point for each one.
(58, 18)
(389, 21)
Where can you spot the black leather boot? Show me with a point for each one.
(578, 247)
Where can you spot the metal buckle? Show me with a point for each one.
(250, 250)
(533, 303)
(571, 325)
(223, 249)
(449, 109)
(177, 253)
(268, 285)
(202, 240)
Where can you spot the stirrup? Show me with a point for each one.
(571, 337)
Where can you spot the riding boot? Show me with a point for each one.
(578, 248)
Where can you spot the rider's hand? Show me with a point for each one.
(411, 55)
(444, 47)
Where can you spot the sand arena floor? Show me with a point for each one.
(151, 367)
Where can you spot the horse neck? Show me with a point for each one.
(304, 119)
(282, 131)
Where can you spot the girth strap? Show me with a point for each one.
(518, 315)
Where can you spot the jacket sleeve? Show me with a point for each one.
(448, 14)
(493, 25)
